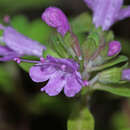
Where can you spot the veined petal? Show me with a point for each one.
(72, 86)
(40, 73)
(105, 12)
(21, 44)
(113, 10)
(68, 62)
(55, 84)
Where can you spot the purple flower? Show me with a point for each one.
(19, 44)
(114, 48)
(7, 54)
(54, 17)
(107, 12)
(62, 73)
(126, 74)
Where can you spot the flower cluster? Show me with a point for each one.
(70, 74)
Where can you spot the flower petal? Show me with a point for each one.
(7, 54)
(4, 50)
(126, 74)
(72, 86)
(55, 84)
(40, 73)
(60, 73)
(90, 3)
(72, 65)
(21, 44)
(7, 58)
(105, 12)
(123, 13)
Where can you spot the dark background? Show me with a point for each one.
(46, 113)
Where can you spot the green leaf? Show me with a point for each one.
(20, 23)
(50, 52)
(39, 31)
(120, 90)
(58, 45)
(36, 30)
(91, 44)
(72, 44)
(120, 121)
(113, 62)
(25, 65)
(82, 23)
(89, 48)
(95, 36)
(81, 119)
(6, 80)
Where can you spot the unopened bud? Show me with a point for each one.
(6, 19)
(112, 75)
(126, 74)
(54, 17)
(114, 48)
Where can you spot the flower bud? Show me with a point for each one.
(6, 19)
(126, 74)
(114, 48)
(54, 17)
(112, 75)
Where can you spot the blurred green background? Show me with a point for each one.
(22, 105)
